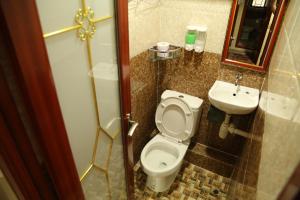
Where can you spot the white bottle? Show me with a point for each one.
(201, 39)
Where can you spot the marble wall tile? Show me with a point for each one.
(213, 153)
(209, 163)
(194, 76)
(191, 74)
(246, 171)
(211, 159)
(250, 78)
(143, 78)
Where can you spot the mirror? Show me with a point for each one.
(251, 33)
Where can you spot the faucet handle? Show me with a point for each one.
(239, 76)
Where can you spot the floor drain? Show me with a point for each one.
(215, 192)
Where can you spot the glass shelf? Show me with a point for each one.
(155, 54)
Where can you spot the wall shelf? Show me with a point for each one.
(156, 55)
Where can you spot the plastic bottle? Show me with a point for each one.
(201, 39)
(190, 37)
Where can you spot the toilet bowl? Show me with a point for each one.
(177, 119)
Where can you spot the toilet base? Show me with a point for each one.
(161, 184)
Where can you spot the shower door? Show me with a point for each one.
(80, 37)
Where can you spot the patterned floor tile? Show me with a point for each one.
(192, 183)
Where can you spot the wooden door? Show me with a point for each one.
(37, 86)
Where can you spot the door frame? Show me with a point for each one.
(121, 10)
(35, 79)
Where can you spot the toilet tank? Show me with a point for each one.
(193, 102)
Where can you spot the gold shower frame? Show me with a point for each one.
(86, 34)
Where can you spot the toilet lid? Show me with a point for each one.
(174, 118)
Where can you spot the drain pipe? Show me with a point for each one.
(227, 127)
(223, 132)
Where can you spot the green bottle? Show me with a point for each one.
(190, 37)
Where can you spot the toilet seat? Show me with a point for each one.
(174, 118)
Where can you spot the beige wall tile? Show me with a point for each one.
(166, 20)
(175, 15)
(280, 148)
(143, 19)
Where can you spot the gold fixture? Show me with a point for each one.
(71, 28)
(75, 27)
(86, 28)
(87, 25)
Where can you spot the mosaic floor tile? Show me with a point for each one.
(192, 183)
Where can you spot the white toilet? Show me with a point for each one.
(176, 118)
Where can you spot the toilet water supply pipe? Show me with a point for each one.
(227, 127)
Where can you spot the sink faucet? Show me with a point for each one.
(238, 77)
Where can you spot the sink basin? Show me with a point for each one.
(225, 97)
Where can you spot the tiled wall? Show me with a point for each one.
(195, 75)
(245, 175)
(191, 74)
(175, 15)
(280, 147)
(144, 17)
(143, 78)
(151, 21)
(144, 20)
(273, 153)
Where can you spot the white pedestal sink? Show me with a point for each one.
(228, 98)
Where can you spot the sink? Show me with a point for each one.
(225, 97)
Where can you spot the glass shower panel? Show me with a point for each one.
(105, 72)
(80, 40)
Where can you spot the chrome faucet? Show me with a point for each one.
(238, 77)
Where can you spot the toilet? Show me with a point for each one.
(177, 118)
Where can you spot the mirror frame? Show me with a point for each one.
(271, 41)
